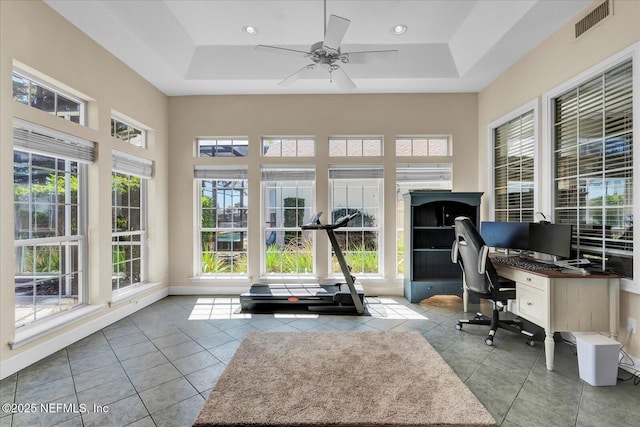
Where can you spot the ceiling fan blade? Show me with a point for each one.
(298, 74)
(341, 79)
(370, 56)
(335, 31)
(277, 49)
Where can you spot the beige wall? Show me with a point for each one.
(315, 115)
(34, 35)
(557, 60)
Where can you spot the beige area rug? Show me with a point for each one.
(340, 379)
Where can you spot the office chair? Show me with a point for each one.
(480, 278)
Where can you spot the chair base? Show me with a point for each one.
(494, 323)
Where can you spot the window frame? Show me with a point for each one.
(265, 221)
(296, 139)
(67, 240)
(633, 53)
(400, 212)
(362, 140)
(141, 232)
(128, 123)
(379, 229)
(57, 92)
(200, 180)
(232, 139)
(413, 139)
(518, 112)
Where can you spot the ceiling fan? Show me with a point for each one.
(327, 54)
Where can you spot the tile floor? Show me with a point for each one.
(157, 366)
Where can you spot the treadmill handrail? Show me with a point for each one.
(340, 222)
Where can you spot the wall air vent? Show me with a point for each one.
(603, 10)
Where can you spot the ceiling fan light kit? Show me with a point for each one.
(327, 55)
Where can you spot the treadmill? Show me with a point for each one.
(342, 298)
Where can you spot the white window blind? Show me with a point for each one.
(288, 174)
(37, 139)
(220, 173)
(423, 172)
(130, 164)
(593, 150)
(356, 172)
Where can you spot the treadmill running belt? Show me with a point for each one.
(294, 289)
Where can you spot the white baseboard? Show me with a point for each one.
(25, 358)
(209, 290)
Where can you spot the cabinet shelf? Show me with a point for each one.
(429, 235)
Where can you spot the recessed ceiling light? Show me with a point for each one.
(250, 30)
(398, 29)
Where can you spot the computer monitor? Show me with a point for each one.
(507, 235)
(551, 239)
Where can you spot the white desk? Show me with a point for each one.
(558, 301)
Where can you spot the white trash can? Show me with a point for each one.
(598, 359)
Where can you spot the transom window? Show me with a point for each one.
(223, 147)
(355, 146)
(128, 133)
(44, 97)
(593, 149)
(288, 147)
(416, 146)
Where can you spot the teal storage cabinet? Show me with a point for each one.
(429, 235)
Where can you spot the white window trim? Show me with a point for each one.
(633, 53)
(300, 277)
(217, 138)
(525, 108)
(213, 173)
(381, 229)
(82, 239)
(355, 137)
(449, 139)
(281, 138)
(128, 164)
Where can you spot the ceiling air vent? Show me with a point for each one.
(596, 15)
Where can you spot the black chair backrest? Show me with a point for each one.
(472, 257)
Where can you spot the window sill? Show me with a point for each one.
(219, 278)
(131, 291)
(288, 278)
(628, 285)
(32, 332)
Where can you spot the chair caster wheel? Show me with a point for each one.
(531, 343)
(458, 326)
(488, 340)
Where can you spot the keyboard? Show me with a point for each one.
(525, 264)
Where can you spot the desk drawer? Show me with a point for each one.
(531, 303)
(529, 279)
